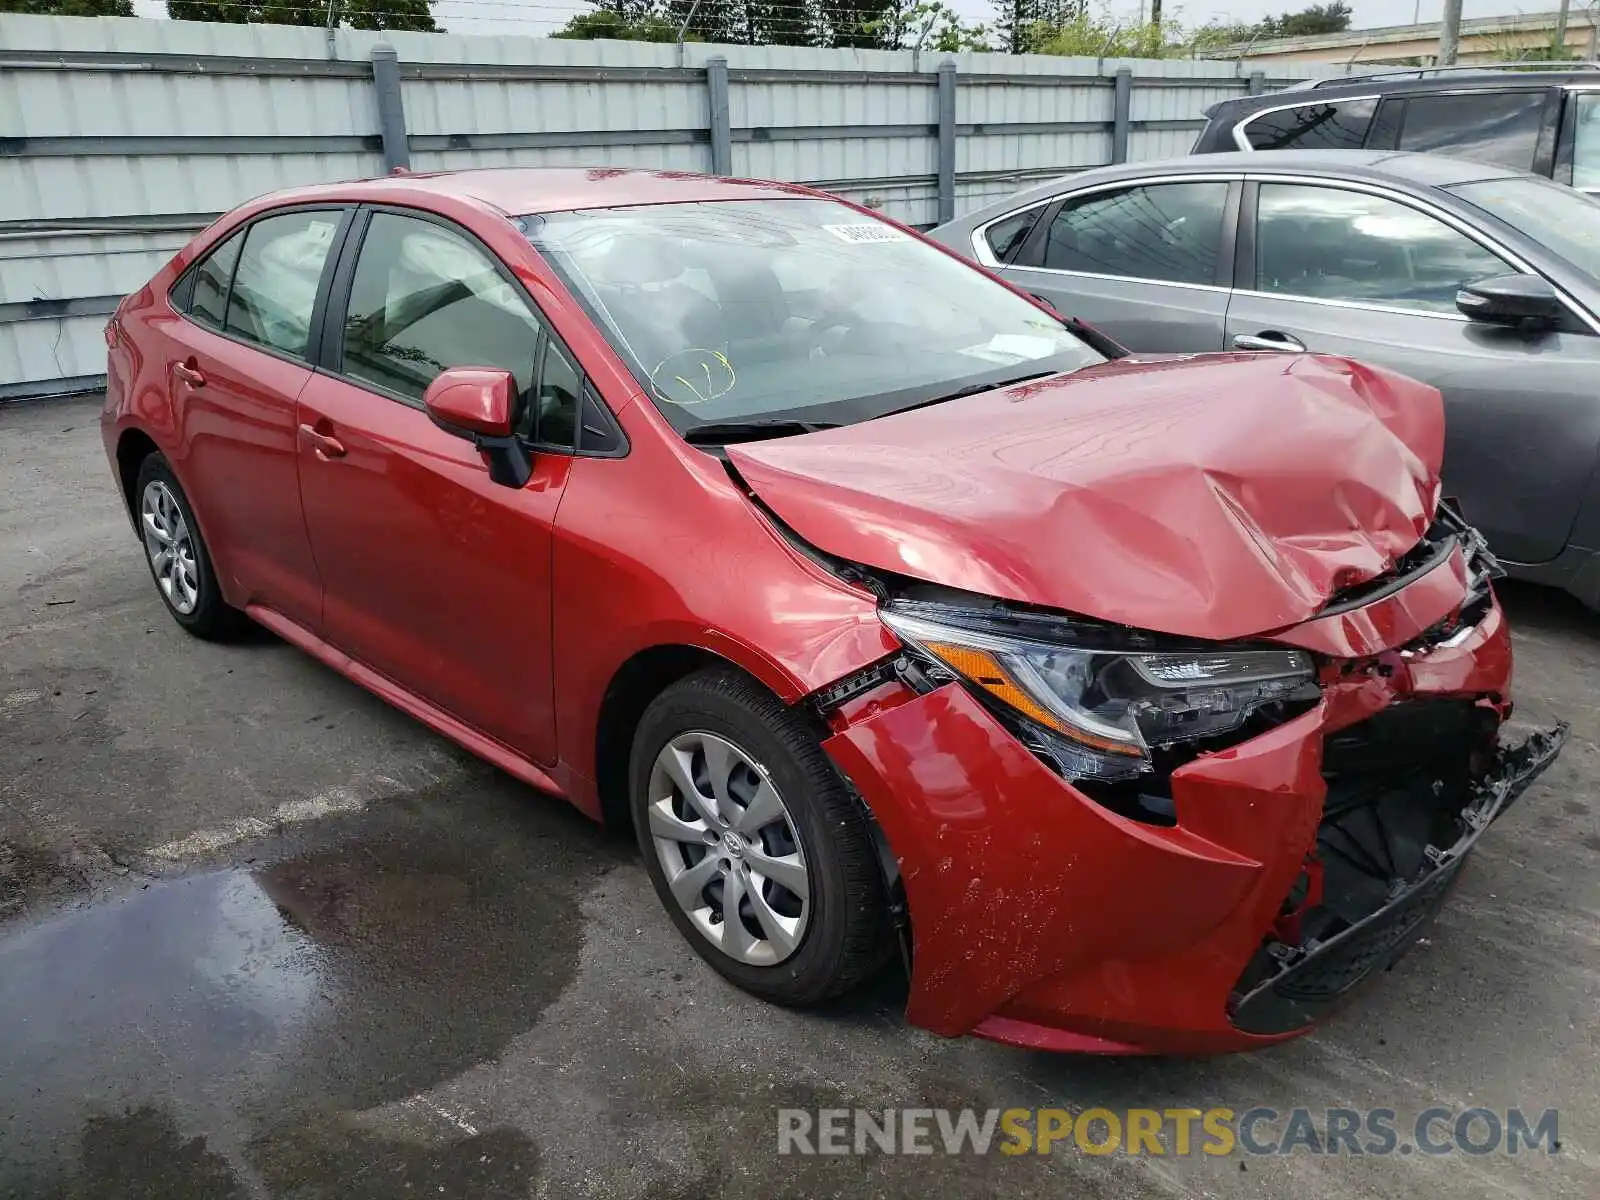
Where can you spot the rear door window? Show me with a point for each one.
(1166, 232)
(275, 284)
(1341, 125)
(1491, 127)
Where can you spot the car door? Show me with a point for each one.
(1148, 262)
(238, 359)
(1372, 276)
(434, 575)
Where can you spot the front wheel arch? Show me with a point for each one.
(848, 915)
(636, 683)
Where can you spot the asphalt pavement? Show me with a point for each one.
(263, 936)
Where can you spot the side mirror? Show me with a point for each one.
(1516, 300)
(476, 403)
(472, 400)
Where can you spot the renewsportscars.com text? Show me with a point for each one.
(1170, 1132)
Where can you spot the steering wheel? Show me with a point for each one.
(835, 316)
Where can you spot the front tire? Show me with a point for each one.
(761, 855)
(177, 556)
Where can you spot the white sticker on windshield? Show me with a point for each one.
(1011, 348)
(867, 231)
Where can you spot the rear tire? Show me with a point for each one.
(771, 823)
(177, 556)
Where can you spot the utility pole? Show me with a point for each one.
(1155, 14)
(1559, 42)
(1450, 34)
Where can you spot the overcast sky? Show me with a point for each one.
(541, 16)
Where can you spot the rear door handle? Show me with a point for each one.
(1269, 339)
(325, 444)
(189, 373)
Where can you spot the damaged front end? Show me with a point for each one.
(1119, 841)
(1409, 792)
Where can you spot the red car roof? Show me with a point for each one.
(520, 190)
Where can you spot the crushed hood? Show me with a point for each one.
(1217, 496)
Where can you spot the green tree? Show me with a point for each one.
(1217, 36)
(70, 8)
(783, 23)
(1094, 37)
(708, 21)
(926, 25)
(361, 14)
(1014, 24)
(606, 23)
(863, 24)
(1333, 17)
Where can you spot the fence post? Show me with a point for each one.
(1258, 82)
(947, 142)
(391, 109)
(721, 131)
(1121, 112)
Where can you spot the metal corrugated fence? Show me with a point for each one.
(119, 138)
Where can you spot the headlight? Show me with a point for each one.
(1101, 707)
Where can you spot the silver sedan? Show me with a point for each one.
(1479, 280)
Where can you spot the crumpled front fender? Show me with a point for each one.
(1010, 873)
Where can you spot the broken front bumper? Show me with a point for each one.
(1311, 978)
(1041, 918)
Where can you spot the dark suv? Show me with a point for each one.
(1544, 119)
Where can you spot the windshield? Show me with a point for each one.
(1561, 220)
(760, 310)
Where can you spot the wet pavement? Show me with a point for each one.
(261, 936)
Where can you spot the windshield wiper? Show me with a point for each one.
(972, 389)
(720, 433)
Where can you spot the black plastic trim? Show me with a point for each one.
(1544, 152)
(1229, 234)
(1244, 246)
(1292, 997)
(1365, 595)
(1566, 152)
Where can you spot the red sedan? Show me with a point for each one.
(1137, 705)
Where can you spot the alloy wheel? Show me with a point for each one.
(727, 846)
(168, 542)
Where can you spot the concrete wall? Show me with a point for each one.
(1483, 40)
(119, 138)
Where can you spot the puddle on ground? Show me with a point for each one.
(214, 1035)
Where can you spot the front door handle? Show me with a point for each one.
(189, 373)
(1270, 339)
(325, 444)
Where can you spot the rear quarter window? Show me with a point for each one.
(1336, 125)
(1005, 236)
(205, 295)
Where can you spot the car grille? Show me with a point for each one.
(1369, 947)
(1396, 786)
